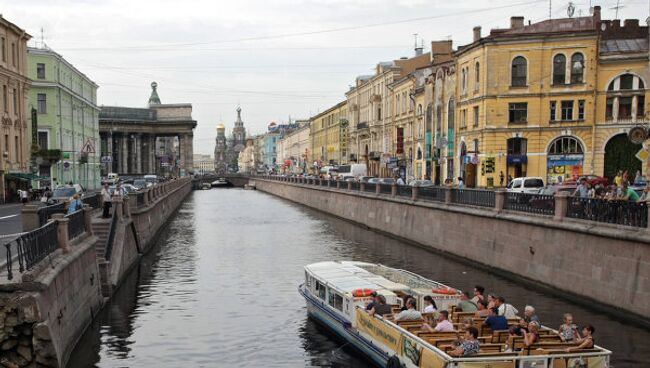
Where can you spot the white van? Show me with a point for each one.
(328, 171)
(354, 170)
(528, 184)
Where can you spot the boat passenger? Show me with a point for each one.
(405, 300)
(466, 305)
(530, 315)
(467, 323)
(568, 331)
(443, 324)
(429, 304)
(587, 341)
(495, 321)
(410, 314)
(469, 346)
(478, 294)
(532, 335)
(483, 309)
(429, 320)
(492, 301)
(505, 309)
(380, 307)
(373, 302)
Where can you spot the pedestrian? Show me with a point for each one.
(509, 178)
(501, 177)
(24, 196)
(119, 191)
(618, 179)
(399, 180)
(106, 201)
(75, 204)
(582, 190)
(461, 183)
(628, 194)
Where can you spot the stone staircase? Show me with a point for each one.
(100, 229)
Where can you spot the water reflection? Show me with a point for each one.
(219, 289)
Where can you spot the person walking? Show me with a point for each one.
(24, 196)
(461, 183)
(106, 201)
(75, 204)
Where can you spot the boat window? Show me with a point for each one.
(320, 289)
(335, 300)
(307, 279)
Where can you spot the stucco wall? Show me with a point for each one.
(606, 264)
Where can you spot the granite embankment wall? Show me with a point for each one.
(600, 262)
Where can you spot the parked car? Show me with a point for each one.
(591, 179)
(387, 181)
(373, 181)
(365, 179)
(527, 184)
(141, 184)
(421, 183)
(63, 194)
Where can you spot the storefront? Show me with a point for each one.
(565, 160)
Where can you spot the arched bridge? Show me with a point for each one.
(235, 180)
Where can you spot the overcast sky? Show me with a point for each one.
(275, 58)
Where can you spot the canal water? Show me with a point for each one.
(220, 290)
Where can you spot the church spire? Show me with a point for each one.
(154, 99)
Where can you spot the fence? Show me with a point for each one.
(32, 248)
(92, 200)
(76, 224)
(612, 212)
(530, 203)
(44, 213)
(405, 191)
(370, 187)
(434, 194)
(385, 188)
(474, 197)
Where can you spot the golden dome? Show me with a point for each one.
(221, 126)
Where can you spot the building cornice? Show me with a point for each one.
(66, 89)
(61, 59)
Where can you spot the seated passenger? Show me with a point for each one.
(405, 299)
(495, 321)
(532, 335)
(380, 307)
(429, 304)
(568, 331)
(466, 305)
(483, 310)
(469, 346)
(443, 324)
(429, 321)
(372, 303)
(478, 294)
(587, 341)
(530, 315)
(505, 309)
(410, 314)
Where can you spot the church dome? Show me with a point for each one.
(221, 126)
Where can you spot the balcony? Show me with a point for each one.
(363, 125)
(49, 155)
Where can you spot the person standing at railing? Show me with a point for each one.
(461, 183)
(106, 201)
(628, 194)
(582, 190)
(75, 204)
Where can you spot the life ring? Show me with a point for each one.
(446, 291)
(357, 293)
(393, 362)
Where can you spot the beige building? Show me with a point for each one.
(246, 158)
(16, 143)
(203, 164)
(293, 150)
(329, 136)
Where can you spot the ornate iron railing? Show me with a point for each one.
(77, 224)
(530, 203)
(474, 197)
(405, 191)
(31, 248)
(614, 212)
(92, 200)
(370, 187)
(44, 213)
(434, 194)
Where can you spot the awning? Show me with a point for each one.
(25, 176)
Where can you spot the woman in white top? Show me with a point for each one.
(429, 304)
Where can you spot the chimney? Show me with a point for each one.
(631, 23)
(418, 50)
(516, 22)
(477, 33)
(597, 13)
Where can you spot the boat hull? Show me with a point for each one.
(321, 313)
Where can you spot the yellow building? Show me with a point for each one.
(329, 135)
(526, 104)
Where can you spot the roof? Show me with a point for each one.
(624, 46)
(579, 24)
(346, 277)
(127, 113)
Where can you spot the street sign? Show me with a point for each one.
(88, 147)
(642, 155)
(66, 165)
(106, 159)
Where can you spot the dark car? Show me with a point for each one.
(593, 180)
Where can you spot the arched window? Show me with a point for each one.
(451, 110)
(565, 146)
(559, 69)
(477, 75)
(464, 80)
(629, 96)
(577, 68)
(519, 71)
(438, 118)
(517, 146)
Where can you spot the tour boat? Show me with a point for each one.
(221, 182)
(206, 186)
(337, 293)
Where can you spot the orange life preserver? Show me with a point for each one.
(447, 291)
(362, 292)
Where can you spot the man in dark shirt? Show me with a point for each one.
(380, 307)
(373, 302)
(495, 321)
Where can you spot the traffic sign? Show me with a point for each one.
(642, 155)
(107, 159)
(88, 147)
(66, 165)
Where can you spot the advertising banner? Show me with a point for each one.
(429, 359)
(384, 334)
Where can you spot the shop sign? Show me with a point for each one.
(517, 159)
(564, 160)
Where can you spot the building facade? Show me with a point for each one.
(15, 145)
(203, 164)
(67, 118)
(294, 150)
(327, 131)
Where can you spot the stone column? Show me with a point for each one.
(414, 193)
(561, 204)
(29, 215)
(362, 187)
(189, 161)
(378, 188)
(393, 190)
(62, 232)
(499, 199)
(118, 154)
(109, 151)
(124, 154)
(349, 185)
(447, 195)
(88, 219)
(117, 204)
(138, 153)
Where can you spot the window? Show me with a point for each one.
(463, 118)
(577, 68)
(40, 71)
(17, 147)
(559, 69)
(4, 98)
(397, 106)
(625, 107)
(335, 300)
(41, 101)
(553, 110)
(564, 146)
(6, 143)
(13, 54)
(464, 81)
(4, 49)
(640, 108)
(517, 146)
(320, 290)
(609, 108)
(567, 110)
(15, 95)
(581, 110)
(451, 109)
(475, 116)
(43, 140)
(626, 81)
(438, 118)
(518, 112)
(477, 75)
(519, 71)
(533, 183)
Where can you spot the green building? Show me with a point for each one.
(65, 105)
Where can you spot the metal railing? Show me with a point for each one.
(613, 212)
(473, 197)
(405, 191)
(530, 203)
(32, 248)
(354, 185)
(370, 187)
(385, 188)
(77, 224)
(44, 213)
(108, 251)
(140, 198)
(92, 200)
(433, 194)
